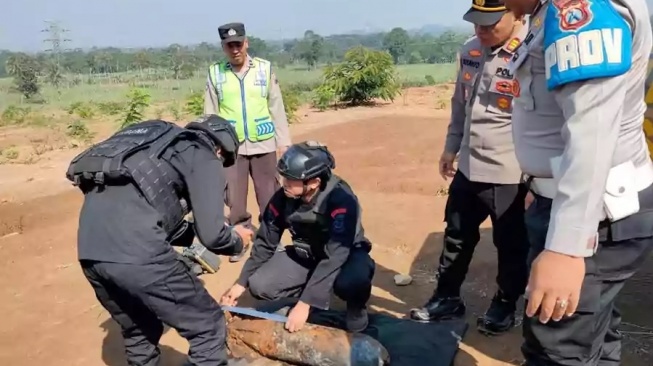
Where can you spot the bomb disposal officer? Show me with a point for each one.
(132, 184)
(329, 251)
(487, 182)
(246, 92)
(579, 138)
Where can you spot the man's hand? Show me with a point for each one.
(528, 201)
(447, 169)
(230, 298)
(297, 317)
(554, 285)
(244, 233)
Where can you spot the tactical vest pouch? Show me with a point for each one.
(110, 163)
(303, 250)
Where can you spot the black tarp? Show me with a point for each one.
(409, 343)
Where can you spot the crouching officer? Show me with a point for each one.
(133, 184)
(329, 250)
(487, 181)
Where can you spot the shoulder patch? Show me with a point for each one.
(513, 44)
(583, 40)
(475, 53)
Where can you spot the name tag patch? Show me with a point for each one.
(471, 63)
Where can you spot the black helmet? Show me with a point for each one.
(221, 133)
(306, 160)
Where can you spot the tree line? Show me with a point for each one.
(182, 61)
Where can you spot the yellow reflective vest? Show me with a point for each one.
(244, 102)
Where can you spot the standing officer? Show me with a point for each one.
(133, 184)
(579, 139)
(487, 182)
(246, 92)
(329, 250)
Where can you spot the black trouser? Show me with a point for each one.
(141, 297)
(589, 337)
(286, 274)
(468, 205)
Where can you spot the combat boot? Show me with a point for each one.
(357, 318)
(500, 316)
(439, 308)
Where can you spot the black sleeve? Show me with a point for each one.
(343, 212)
(267, 238)
(204, 176)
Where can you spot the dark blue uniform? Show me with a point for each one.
(124, 245)
(329, 250)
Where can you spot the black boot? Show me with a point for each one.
(500, 316)
(357, 319)
(439, 308)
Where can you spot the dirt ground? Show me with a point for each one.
(389, 155)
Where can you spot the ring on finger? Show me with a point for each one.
(562, 304)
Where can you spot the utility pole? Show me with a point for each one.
(56, 39)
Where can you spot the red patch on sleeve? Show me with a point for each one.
(338, 211)
(273, 209)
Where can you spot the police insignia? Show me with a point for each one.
(467, 76)
(479, 2)
(573, 14)
(516, 88)
(537, 23)
(513, 44)
(583, 40)
(474, 53)
(503, 103)
(231, 33)
(504, 87)
(338, 216)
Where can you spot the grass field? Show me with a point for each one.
(94, 89)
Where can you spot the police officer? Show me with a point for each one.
(246, 92)
(133, 184)
(487, 182)
(579, 139)
(329, 250)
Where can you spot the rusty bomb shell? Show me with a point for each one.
(314, 345)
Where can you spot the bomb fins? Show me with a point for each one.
(312, 346)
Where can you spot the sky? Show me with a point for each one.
(142, 23)
(136, 23)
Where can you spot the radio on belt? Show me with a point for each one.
(210, 262)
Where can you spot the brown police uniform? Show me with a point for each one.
(487, 182)
(257, 159)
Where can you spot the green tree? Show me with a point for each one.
(364, 75)
(309, 49)
(141, 60)
(24, 69)
(257, 47)
(396, 42)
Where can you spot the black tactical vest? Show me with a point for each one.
(133, 156)
(310, 225)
